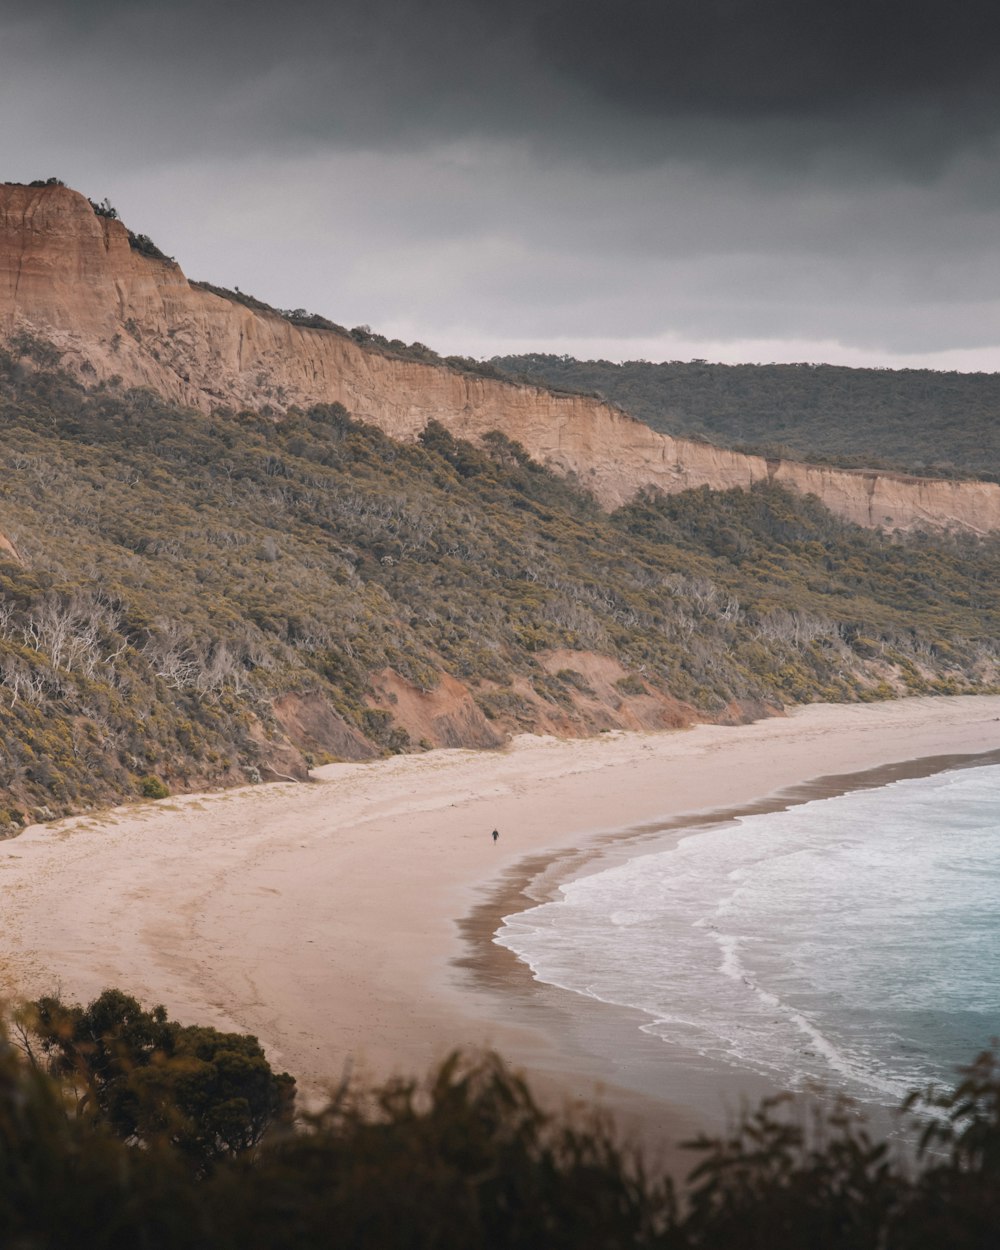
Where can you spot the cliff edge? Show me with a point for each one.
(71, 277)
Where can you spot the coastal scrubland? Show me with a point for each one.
(119, 1127)
(179, 572)
(923, 421)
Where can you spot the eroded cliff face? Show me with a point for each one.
(71, 277)
(8, 551)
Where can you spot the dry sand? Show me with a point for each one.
(324, 918)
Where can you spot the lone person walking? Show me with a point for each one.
(496, 834)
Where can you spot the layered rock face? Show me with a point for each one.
(71, 277)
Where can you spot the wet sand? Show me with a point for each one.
(350, 921)
(650, 1083)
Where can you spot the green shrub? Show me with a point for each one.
(153, 788)
(631, 685)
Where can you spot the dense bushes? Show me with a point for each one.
(182, 570)
(466, 1159)
(150, 1081)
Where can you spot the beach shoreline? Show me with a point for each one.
(619, 1057)
(334, 920)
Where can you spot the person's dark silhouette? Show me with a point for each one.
(496, 834)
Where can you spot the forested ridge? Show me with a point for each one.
(934, 424)
(182, 572)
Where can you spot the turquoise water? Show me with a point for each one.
(850, 941)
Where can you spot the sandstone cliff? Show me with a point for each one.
(72, 278)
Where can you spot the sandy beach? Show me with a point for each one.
(343, 921)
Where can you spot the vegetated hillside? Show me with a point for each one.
(909, 420)
(205, 599)
(113, 310)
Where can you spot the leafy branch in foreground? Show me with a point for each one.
(148, 1080)
(464, 1159)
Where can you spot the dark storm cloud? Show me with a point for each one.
(645, 79)
(347, 71)
(778, 57)
(464, 171)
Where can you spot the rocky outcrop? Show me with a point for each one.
(8, 551)
(72, 278)
(894, 501)
(313, 726)
(446, 716)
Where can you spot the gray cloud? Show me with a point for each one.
(778, 57)
(713, 169)
(640, 78)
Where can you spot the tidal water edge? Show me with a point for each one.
(850, 941)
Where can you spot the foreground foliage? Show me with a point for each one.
(468, 1159)
(182, 573)
(148, 1080)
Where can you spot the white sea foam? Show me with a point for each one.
(852, 941)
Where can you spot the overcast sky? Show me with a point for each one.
(661, 179)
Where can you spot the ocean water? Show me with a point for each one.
(852, 942)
